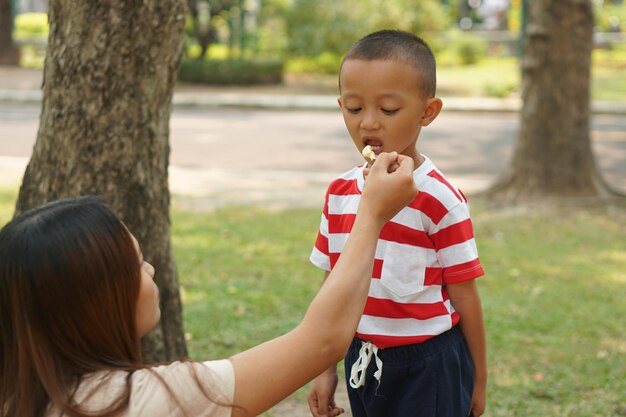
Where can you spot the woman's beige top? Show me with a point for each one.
(205, 389)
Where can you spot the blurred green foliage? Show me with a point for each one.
(208, 19)
(324, 63)
(310, 37)
(231, 71)
(455, 47)
(313, 28)
(610, 17)
(31, 26)
(31, 32)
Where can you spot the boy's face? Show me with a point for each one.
(383, 105)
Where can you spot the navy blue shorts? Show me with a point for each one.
(430, 379)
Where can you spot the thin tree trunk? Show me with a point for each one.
(9, 53)
(553, 155)
(109, 76)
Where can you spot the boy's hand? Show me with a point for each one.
(479, 401)
(389, 186)
(321, 397)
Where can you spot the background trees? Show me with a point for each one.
(553, 155)
(204, 21)
(109, 76)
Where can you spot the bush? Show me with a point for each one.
(30, 26)
(325, 63)
(470, 50)
(231, 72)
(610, 17)
(459, 48)
(500, 90)
(31, 34)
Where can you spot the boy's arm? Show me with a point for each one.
(321, 396)
(466, 301)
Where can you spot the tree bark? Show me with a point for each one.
(109, 75)
(9, 53)
(553, 155)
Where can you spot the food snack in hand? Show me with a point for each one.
(368, 153)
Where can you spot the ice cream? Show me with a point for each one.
(368, 153)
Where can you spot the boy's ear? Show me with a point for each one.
(340, 102)
(431, 110)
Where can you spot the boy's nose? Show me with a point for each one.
(369, 121)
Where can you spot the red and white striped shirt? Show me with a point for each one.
(428, 244)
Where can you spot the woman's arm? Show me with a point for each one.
(267, 373)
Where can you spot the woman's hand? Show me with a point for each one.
(389, 186)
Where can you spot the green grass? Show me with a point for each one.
(608, 84)
(8, 197)
(500, 77)
(553, 300)
(245, 275)
(553, 296)
(607, 74)
(496, 77)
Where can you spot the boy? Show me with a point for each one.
(419, 349)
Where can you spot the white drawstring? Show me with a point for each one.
(357, 373)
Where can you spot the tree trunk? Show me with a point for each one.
(553, 155)
(109, 75)
(9, 53)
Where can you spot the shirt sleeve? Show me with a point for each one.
(203, 389)
(456, 247)
(224, 374)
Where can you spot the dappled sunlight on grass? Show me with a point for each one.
(618, 277)
(611, 346)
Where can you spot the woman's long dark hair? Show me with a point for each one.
(69, 281)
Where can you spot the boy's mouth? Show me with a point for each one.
(376, 145)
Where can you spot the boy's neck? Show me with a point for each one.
(418, 160)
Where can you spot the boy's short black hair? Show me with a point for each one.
(398, 45)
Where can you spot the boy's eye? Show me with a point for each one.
(353, 110)
(390, 111)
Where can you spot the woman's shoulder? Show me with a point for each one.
(200, 388)
(217, 367)
(218, 373)
(176, 389)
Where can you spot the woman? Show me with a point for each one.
(76, 296)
